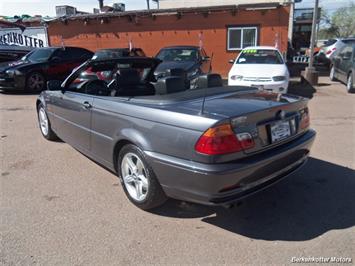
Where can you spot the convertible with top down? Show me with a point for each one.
(212, 145)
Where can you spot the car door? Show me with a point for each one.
(345, 62)
(205, 61)
(72, 111)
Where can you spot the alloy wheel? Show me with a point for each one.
(36, 82)
(134, 177)
(43, 121)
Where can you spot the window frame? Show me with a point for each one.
(241, 28)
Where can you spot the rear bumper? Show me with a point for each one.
(216, 184)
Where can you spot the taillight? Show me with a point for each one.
(222, 140)
(332, 50)
(305, 119)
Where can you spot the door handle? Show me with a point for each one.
(87, 105)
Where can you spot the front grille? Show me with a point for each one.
(257, 79)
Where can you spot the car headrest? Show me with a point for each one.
(128, 76)
(209, 81)
(170, 85)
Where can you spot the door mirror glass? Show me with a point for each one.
(54, 85)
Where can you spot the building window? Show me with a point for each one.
(241, 37)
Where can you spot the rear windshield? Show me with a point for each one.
(110, 54)
(260, 56)
(329, 42)
(178, 55)
(116, 53)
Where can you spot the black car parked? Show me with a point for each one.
(192, 59)
(12, 53)
(343, 67)
(42, 64)
(108, 54)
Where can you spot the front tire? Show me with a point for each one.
(138, 179)
(349, 84)
(35, 82)
(44, 124)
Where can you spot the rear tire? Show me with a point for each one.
(349, 84)
(44, 123)
(138, 179)
(332, 74)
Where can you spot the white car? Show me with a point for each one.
(262, 67)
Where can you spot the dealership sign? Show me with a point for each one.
(31, 37)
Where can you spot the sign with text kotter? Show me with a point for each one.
(31, 37)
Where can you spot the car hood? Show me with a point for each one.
(13, 65)
(259, 70)
(162, 67)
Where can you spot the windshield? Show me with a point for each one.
(255, 56)
(178, 55)
(39, 55)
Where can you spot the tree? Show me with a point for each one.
(340, 24)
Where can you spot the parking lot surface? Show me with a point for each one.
(60, 208)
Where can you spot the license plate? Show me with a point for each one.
(259, 87)
(280, 131)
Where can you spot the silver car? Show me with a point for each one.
(211, 145)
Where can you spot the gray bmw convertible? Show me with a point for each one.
(211, 145)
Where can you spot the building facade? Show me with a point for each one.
(221, 31)
(203, 3)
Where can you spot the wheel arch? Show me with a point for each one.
(129, 136)
(116, 151)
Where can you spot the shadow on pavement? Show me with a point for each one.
(318, 198)
(19, 92)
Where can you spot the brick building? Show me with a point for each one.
(222, 30)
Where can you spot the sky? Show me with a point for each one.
(47, 7)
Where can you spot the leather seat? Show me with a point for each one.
(209, 81)
(170, 85)
(129, 84)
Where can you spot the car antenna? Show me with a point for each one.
(203, 101)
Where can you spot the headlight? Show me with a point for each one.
(11, 73)
(279, 78)
(193, 73)
(159, 75)
(236, 77)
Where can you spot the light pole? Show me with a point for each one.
(310, 74)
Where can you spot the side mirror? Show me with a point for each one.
(56, 59)
(54, 85)
(206, 58)
(231, 61)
